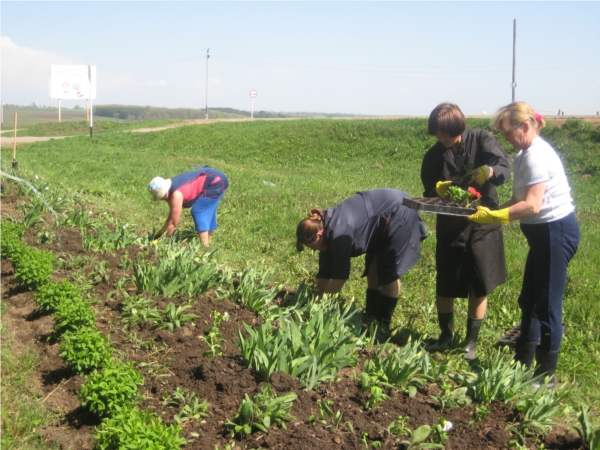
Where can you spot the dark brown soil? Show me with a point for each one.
(175, 359)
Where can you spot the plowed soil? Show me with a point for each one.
(175, 359)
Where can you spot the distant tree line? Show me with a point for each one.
(125, 112)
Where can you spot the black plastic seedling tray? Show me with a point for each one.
(438, 205)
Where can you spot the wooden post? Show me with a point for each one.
(15, 165)
(59, 110)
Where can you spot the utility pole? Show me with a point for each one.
(514, 81)
(207, 56)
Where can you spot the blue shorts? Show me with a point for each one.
(204, 213)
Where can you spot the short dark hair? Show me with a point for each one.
(446, 118)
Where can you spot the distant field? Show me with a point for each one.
(31, 116)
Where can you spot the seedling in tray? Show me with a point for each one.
(462, 197)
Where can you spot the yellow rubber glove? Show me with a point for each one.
(441, 187)
(478, 176)
(485, 215)
(155, 241)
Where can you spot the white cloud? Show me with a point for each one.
(23, 66)
(157, 83)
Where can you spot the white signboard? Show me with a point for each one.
(72, 82)
(253, 93)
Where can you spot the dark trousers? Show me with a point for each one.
(551, 247)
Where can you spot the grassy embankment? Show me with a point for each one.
(320, 163)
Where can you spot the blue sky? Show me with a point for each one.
(376, 58)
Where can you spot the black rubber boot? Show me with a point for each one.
(446, 321)
(547, 362)
(470, 342)
(385, 312)
(371, 303)
(525, 352)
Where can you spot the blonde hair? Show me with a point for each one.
(511, 116)
(307, 229)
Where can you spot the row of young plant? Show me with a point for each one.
(111, 388)
(313, 340)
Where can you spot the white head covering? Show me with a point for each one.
(159, 187)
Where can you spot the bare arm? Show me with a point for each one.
(175, 206)
(532, 204)
(325, 286)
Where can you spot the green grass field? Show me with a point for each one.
(320, 163)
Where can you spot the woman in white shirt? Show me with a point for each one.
(542, 202)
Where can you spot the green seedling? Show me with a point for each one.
(539, 409)
(363, 439)
(213, 334)
(190, 406)
(173, 316)
(451, 397)
(588, 435)
(377, 396)
(100, 273)
(399, 427)
(264, 410)
(439, 431)
(481, 412)
(34, 216)
(418, 436)
(336, 418)
(136, 310)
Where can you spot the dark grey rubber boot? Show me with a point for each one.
(371, 303)
(470, 342)
(385, 312)
(547, 362)
(446, 322)
(525, 352)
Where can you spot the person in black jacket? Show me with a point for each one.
(374, 223)
(469, 257)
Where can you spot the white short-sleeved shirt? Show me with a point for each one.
(539, 164)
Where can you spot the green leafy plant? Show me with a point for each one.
(539, 409)
(264, 410)
(377, 396)
(111, 389)
(173, 316)
(213, 334)
(399, 427)
(10, 240)
(136, 310)
(103, 239)
(397, 368)
(252, 290)
(180, 270)
(439, 431)
(451, 396)
(460, 196)
(481, 412)
(34, 216)
(51, 295)
(100, 273)
(418, 436)
(590, 436)
(311, 343)
(132, 428)
(498, 378)
(73, 315)
(34, 267)
(190, 406)
(85, 349)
